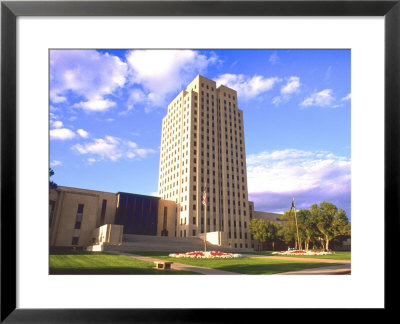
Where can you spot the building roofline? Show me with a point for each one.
(67, 187)
(109, 192)
(203, 77)
(135, 194)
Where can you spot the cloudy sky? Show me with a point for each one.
(106, 110)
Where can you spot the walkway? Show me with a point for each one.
(178, 266)
(344, 266)
(299, 259)
(341, 267)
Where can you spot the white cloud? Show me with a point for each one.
(55, 163)
(328, 73)
(274, 177)
(56, 98)
(61, 134)
(246, 86)
(56, 124)
(95, 104)
(136, 96)
(323, 98)
(111, 148)
(161, 72)
(348, 97)
(105, 148)
(277, 100)
(132, 144)
(292, 85)
(144, 152)
(88, 74)
(274, 58)
(83, 133)
(91, 160)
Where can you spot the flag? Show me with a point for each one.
(293, 204)
(204, 200)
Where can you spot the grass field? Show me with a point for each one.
(244, 265)
(100, 263)
(339, 255)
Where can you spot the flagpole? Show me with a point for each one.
(297, 227)
(204, 202)
(205, 228)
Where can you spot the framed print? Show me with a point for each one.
(37, 34)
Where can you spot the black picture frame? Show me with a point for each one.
(10, 10)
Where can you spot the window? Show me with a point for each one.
(103, 212)
(79, 215)
(52, 206)
(75, 240)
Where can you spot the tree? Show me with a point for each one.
(258, 228)
(330, 221)
(341, 223)
(273, 230)
(52, 185)
(317, 225)
(307, 227)
(288, 231)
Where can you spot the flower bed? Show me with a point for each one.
(206, 255)
(302, 252)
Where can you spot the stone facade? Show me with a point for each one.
(203, 149)
(76, 213)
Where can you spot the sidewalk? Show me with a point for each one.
(299, 259)
(344, 267)
(330, 270)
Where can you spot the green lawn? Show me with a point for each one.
(244, 265)
(79, 262)
(339, 255)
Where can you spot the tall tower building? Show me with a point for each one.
(202, 148)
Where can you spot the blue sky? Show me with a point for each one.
(106, 110)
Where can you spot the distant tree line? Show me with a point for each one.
(318, 226)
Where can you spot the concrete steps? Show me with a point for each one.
(132, 242)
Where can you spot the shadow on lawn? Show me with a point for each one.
(260, 269)
(116, 271)
(73, 252)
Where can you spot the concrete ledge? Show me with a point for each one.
(163, 265)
